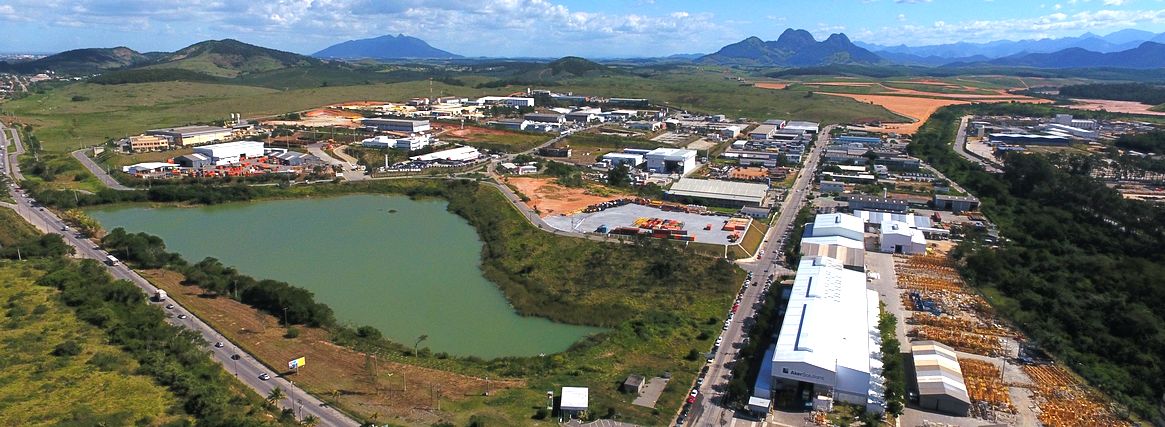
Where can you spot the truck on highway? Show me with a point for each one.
(110, 260)
(159, 295)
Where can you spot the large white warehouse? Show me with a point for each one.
(828, 341)
(837, 224)
(231, 152)
(671, 160)
(901, 238)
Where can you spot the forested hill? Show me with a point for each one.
(1081, 271)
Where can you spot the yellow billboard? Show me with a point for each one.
(297, 363)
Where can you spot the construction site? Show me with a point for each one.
(651, 218)
(1005, 382)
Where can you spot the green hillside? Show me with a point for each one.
(231, 58)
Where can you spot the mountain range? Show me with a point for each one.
(384, 47)
(940, 54)
(794, 48)
(1147, 55)
(215, 58)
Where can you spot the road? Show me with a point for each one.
(246, 368)
(961, 148)
(98, 171)
(13, 167)
(708, 409)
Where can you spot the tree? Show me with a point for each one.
(618, 176)
(418, 344)
(276, 394)
(310, 421)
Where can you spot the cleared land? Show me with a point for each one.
(1129, 107)
(98, 384)
(919, 109)
(494, 139)
(551, 199)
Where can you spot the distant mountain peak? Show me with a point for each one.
(388, 46)
(794, 47)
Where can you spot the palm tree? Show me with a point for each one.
(275, 395)
(418, 343)
(310, 421)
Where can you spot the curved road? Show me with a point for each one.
(961, 148)
(96, 169)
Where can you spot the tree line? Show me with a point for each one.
(1137, 92)
(1081, 269)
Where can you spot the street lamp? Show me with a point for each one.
(285, 316)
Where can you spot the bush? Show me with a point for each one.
(693, 355)
(67, 348)
(292, 332)
(541, 414)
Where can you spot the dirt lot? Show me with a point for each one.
(468, 132)
(323, 117)
(330, 367)
(553, 199)
(777, 86)
(1129, 107)
(916, 108)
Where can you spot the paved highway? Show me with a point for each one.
(246, 367)
(97, 170)
(13, 168)
(961, 148)
(708, 409)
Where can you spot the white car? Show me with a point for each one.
(264, 376)
(719, 341)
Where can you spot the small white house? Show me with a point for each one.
(574, 401)
(899, 238)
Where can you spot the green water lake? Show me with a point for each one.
(408, 273)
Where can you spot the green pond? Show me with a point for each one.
(408, 273)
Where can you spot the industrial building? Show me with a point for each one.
(645, 125)
(718, 193)
(231, 152)
(453, 155)
(836, 224)
(398, 125)
(631, 160)
(832, 187)
(574, 402)
(143, 143)
(509, 101)
(854, 139)
(407, 144)
(956, 204)
(939, 378)
(835, 241)
(545, 118)
(851, 258)
(194, 161)
(827, 342)
(803, 127)
(875, 220)
(901, 238)
(879, 204)
(762, 132)
(584, 115)
(186, 136)
(671, 160)
(148, 168)
(1029, 139)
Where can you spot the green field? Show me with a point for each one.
(510, 142)
(98, 384)
(115, 111)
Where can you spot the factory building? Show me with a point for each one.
(398, 125)
(827, 339)
(645, 125)
(1029, 139)
(851, 258)
(1057, 128)
(143, 143)
(631, 160)
(509, 101)
(671, 160)
(939, 379)
(955, 204)
(762, 132)
(545, 118)
(718, 193)
(453, 155)
(231, 152)
(194, 161)
(803, 127)
(186, 136)
(832, 187)
(854, 139)
(836, 224)
(407, 144)
(148, 168)
(901, 238)
(871, 203)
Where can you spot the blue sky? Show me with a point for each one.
(551, 28)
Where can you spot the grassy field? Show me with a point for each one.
(13, 229)
(114, 111)
(510, 142)
(97, 385)
(710, 92)
(60, 170)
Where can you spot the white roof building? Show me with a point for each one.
(671, 160)
(828, 338)
(809, 127)
(574, 399)
(834, 240)
(901, 238)
(725, 192)
(231, 152)
(629, 159)
(837, 224)
(459, 154)
(148, 167)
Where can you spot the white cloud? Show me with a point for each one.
(1115, 2)
(911, 1)
(1050, 25)
(901, 17)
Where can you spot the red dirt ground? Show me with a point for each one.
(550, 198)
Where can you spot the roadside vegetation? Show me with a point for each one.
(75, 373)
(1080, 270)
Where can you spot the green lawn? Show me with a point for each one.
(510, 142)
(97, 385)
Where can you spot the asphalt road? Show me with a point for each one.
(708, 409)
(13, 168)
(246, 368)
(961, 148)
(98, 171)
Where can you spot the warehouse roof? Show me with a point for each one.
(764, 129)
(895, 228)
(955, 198)
(938, 371)
(717, 189)
(191, 130)
(916, 221)
(850, 257)
(574, 398)
(834, 240)
(823, 224)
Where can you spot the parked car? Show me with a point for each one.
(218, 344)
(264, 376)
(181, 316)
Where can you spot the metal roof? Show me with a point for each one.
(938, 371)
(717, 189)
(574, 398)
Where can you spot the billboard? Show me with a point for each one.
(297, 363)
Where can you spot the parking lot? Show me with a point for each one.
(625, 216)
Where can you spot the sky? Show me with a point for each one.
(552, 28)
